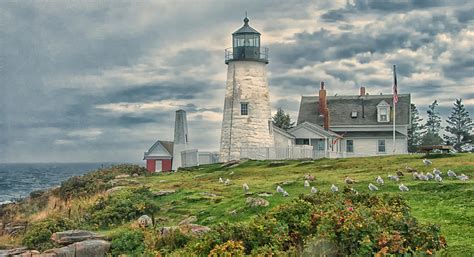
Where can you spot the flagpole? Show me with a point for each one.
(394, 91)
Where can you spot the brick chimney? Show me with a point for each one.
(323, 106)
(362, 91)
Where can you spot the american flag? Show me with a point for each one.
(395, 89)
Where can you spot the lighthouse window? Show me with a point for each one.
(244, 108)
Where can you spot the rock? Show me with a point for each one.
(164, 192)
(230, 163)
(256, 202)
(15, 251)
(309, 177)
(88, 248)
(165, 231)
(114, 189)
(265, 194)
(288, 182)
(188, 220)
(15, 228)
(73, 236)
(208, 194)
(135, 175)
(196, 230)
(144, 221)
(162, 181)
(122, 176)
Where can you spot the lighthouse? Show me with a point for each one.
(247, 115)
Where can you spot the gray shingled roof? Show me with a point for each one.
(340, 108)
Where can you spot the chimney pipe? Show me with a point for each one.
(323, 106)
(362, 91)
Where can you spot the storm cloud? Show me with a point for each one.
(100, 81)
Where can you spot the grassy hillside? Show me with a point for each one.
(199, 193)
(448, 204)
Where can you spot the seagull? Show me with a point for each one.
(423, 177)
(403, 188)
(354, 191)
(437, 171)
(451, 174)
(227, 181)
(349, 180)
(427, 162)
(430, 176)
(438, 178)
(306, 183)
(379, 180)
(462, 177)
(334, 188)
(372, 187)
(393, 177)
(399, 173)
(314, 190)
(285, 194)
(280, 189)
(410, 169)
(245, 187)
(416, 175)
(221, 180)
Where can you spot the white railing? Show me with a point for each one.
(276, 153)
(193, 157)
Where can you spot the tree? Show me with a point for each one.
(459, 126)
(433, 126)
(282, 120)
(415, 131)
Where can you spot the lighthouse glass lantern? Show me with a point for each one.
(246, 45)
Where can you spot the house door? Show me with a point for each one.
(158, 165)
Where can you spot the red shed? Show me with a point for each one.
(159, 157)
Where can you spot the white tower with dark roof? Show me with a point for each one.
(180, 142)
(247, 115)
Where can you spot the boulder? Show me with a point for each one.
(256, 202)
(195, 229)
(264, 194)
(88, 248)
(15, 251)
(114, 189)
(122, 176)
(15, 228)
(164, 192)
(135, 175)
(230, 164)
(188, 220)
(145, 221)
(73, 236)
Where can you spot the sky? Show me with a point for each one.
(99, 81)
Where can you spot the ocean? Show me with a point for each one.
(20, 179)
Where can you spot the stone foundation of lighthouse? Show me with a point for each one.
(246, 86)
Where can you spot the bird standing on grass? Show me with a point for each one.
(280, 189)
(221, 180)
(334, 188)
(427, 162)
(372, 187)
(438, 178)
(462, 177)
(437, 171)
(429, 175)
(379, 180)
(245, 187)
(314, 190)
(451, 174)
(403, 188)
(306, 183)
(393, 177)
(285, 194)
(227, 182)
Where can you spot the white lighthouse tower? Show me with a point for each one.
(247, 114)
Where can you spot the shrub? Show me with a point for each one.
(96, 181)
(38, 234)
(175, 239)
(127, 241)
(229, 248)
(121, 207)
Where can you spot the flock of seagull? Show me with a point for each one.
(434, 175)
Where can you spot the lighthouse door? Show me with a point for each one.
(158, 165)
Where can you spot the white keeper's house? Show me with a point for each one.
(349, 125)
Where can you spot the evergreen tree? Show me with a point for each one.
(282, 120)
(415, 131)
(433, 126)
(459, 126)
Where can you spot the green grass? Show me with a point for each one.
(449, 204)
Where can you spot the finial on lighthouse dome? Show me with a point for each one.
(246, 20)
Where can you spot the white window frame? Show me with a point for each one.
(383, 106)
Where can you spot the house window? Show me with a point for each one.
(302, 141)
(381, 146)
(320, 145)
(383, 115)
(353, 114)
(244, 108)
(350, 146)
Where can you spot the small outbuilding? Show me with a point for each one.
(159, 157)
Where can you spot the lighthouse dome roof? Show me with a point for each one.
(246, 29)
